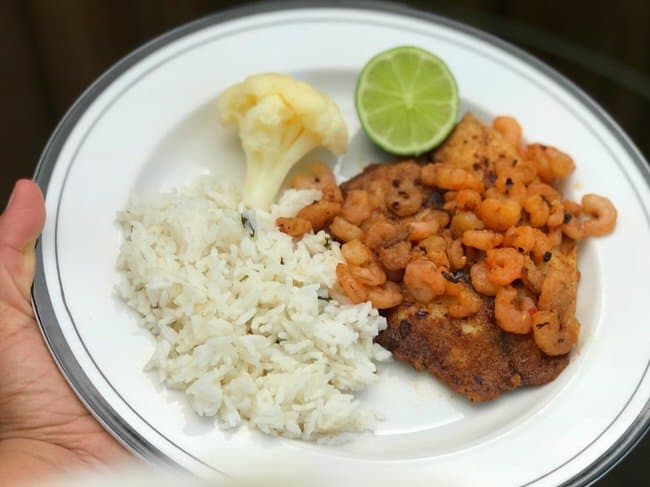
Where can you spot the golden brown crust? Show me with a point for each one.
(471, 355)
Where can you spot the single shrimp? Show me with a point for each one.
(549, 193)
(423, 280)
(355, 252)
(381, 232)
(543, 244)
(522, 238)
(572, 224)
(509, 185)
(369, 274)
(435, 247)
(504, 265)
(294, 226)
(500, 214)
(456, 255)
(395, 257)
(421, 229)
(387, 296)
(509, 128)
(467, 199)
(319, 176)
(465, 302)
(320, 213)
(463, 221)
(550, 336)
(482, 239)
(537, 209)
(556, 215)
(345, 231)
(480, 282)
(357, 206)
(513, 311)
(555, 236)
(449, 177)
(353, 289)
(602, 215)
(552, 164)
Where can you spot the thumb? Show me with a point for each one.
(20, 226)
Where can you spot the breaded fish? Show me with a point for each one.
(471, 355)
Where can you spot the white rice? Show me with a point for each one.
(240, 322)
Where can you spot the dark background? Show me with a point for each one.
(51, 50)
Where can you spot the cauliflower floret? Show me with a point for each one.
(280, 120)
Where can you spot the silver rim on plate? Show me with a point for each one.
(46, 316)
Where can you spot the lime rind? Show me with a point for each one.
(386, 93)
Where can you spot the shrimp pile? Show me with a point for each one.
(479, 219)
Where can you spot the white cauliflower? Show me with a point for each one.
(280, 120)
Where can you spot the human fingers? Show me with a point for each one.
(20, 225)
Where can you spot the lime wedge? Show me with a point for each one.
(407, 100)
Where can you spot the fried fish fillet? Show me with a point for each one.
(471, 355)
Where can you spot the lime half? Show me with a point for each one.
(407, 100)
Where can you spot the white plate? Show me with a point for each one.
(149, 124)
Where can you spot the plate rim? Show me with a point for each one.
(42, 304)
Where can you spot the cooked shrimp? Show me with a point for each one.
(355, 252)
(522, 238)
(320, 213)
(449, 177)
(442, 217)
(357, 206)
(574, 229)
(513, 311)
(522, 171)
(319, 176)
(423, 280)
(551, 337)
(435, 247)
(537, 209)
(509, 185)
(549, 193)
(353, 289)
(463, 221)
(556, 215)
(504, 265)
(380, 232)
(509, 128)
(467, 199)
(500, 214)
(482, 239)
(543, 244)
(552, 164)
(345, 231)
(395, 257)
(419, 230)
(455, 254)
(296, 227)
(480, 282)
(465, 302)
(369, 274)
(602, 215)
(555, 236)
(386, 296)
